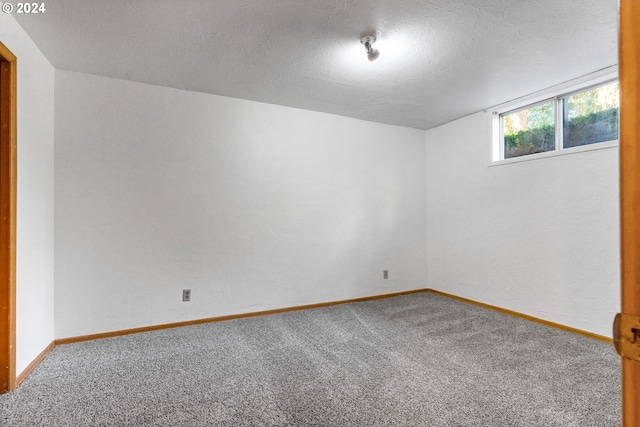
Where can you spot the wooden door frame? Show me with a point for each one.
(629, 63)
(8, 178)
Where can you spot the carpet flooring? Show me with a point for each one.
(413, 360)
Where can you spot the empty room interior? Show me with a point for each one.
(285, 212)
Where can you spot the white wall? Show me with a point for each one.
(540, 237)
(34, 258)
(256, 206)
(251, 206)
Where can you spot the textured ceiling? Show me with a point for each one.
(440, 59)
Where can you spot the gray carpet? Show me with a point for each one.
(415, 360)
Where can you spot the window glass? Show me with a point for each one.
(529, 131)
(591, 116)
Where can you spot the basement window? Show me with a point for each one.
(566, 121)
(530, 130)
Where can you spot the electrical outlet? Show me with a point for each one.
(385, 274)
(186, 295)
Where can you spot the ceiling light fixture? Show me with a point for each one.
(372, 52)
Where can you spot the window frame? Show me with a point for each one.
(556, 95)
(552, 101)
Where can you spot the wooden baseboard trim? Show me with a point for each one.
(527, 317)
(71, 340)
(24, 374)
(122, 332)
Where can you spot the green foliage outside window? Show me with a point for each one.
(530, 131)
(591, 128)
(530, 141)
(588, 117)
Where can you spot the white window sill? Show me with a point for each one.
(556, 153)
